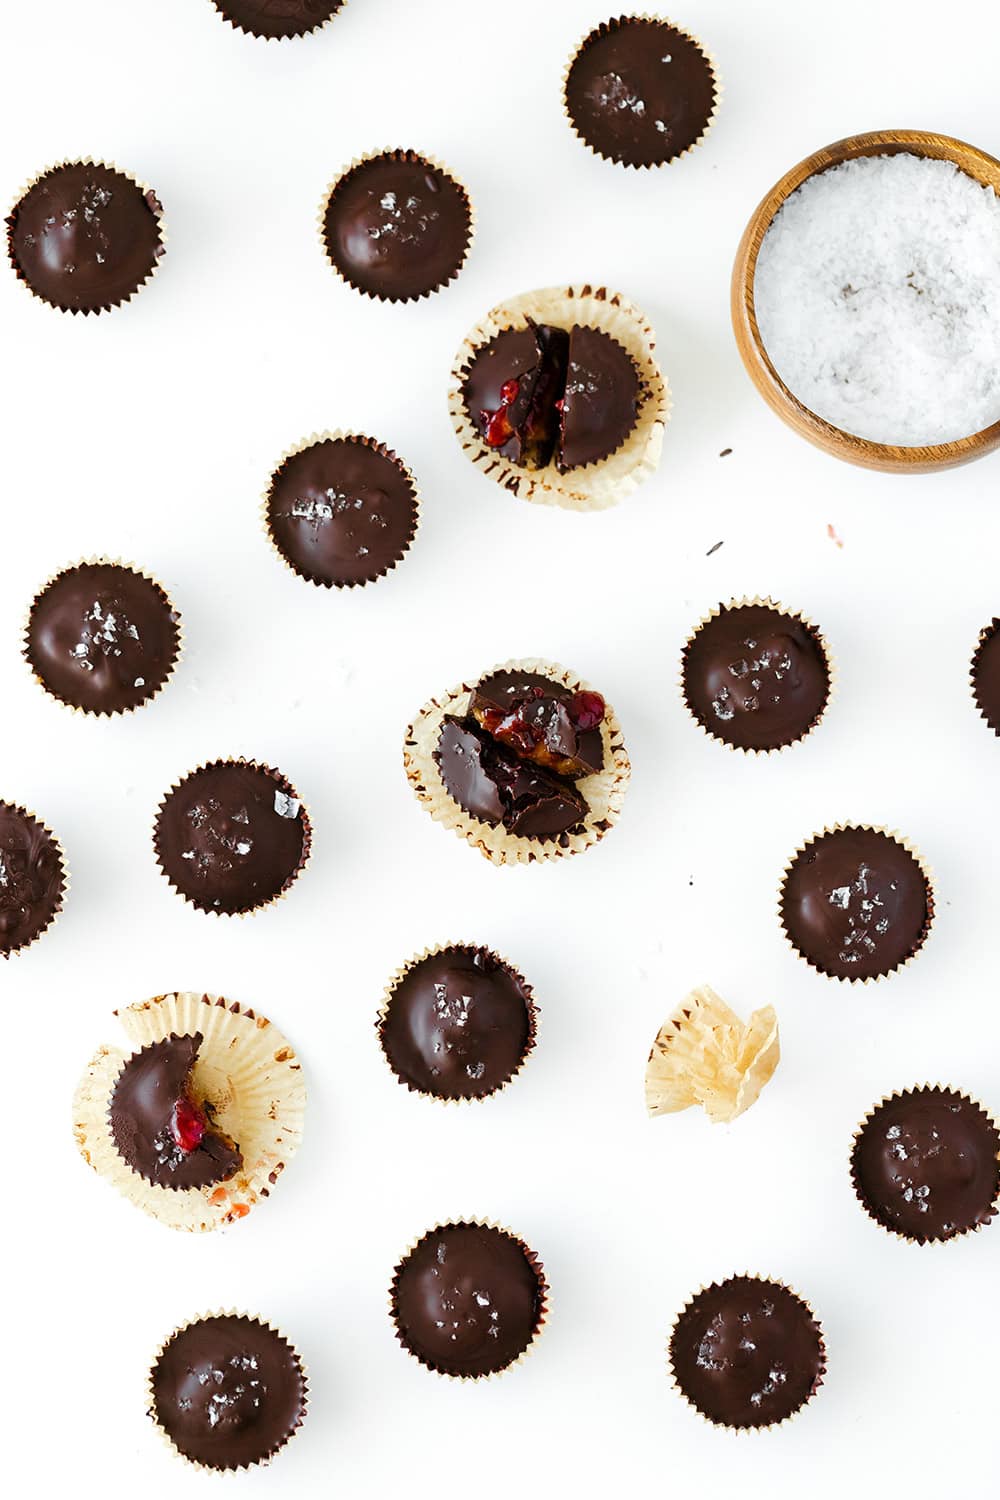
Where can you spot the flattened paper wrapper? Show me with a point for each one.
(704, 1054)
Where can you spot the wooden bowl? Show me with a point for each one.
(856, 450)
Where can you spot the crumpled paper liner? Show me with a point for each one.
(604, 791)
(544, 1300)
(925, 870)
(336, 436)
(704, 1054)
(615, 25)
(598, 485)
(763, 602)
(986, 635)
(87, 161)
(224, 1312)
(246, 1070)
(26, 812)
(400, 975)
(103, 562)
(321, 21)
(396, 153)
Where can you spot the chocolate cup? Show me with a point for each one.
(984, 684)
(59, 882)
(228, 10)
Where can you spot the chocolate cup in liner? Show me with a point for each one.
(87, 161)
(766, 602)
(542, 1315)
(869, 1208)
(704, 1054)
(226, 9)
(616, 24)
(604, 791)
(284, 785)
(246, 1071)
(925, 870)
(226, 1312)
(104, 562)
(405, 969)
(602, 483)
(62, 880)
(400, 154)
(745, 1429)
(337, 436)
(986, 637)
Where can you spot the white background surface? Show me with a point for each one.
(150, 433)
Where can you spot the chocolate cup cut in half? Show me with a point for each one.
(84, 237)
(276, 20)
(397, 226)
(33, 878)
(986, 674)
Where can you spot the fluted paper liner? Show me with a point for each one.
(899, 1234)
(400, 154)
(321, 21)
(338, 436)
(986, 635)
(103, 562)
(616, 25)
(597, 485)
(928, 881)
(400, 975)
(604, 792)
(246, 1071)
(27, 812)
(147, 192)
(762, 602)
(704, 1054)
(225, 1312)
(544, 1299)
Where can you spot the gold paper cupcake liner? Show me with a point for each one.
(284, 785)
(704, 1054)
(765, 1281)
(925, 870)
(986, 635)
(762, 602)
(337, 435)
(152, 199)
(615, 24)
(225, 1312)
(898, 1234)
(597, 485)
(220, 6)
(544, 1299)
(248, 1074)
(604, 791)
(100, 561)
(400, 975)
(400, 154)
(27, 812)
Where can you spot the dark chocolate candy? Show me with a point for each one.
(640, 92)
(756, 677)
(278, 18)
(232, 836)
(162, 1131)
(342, 511)
(397, 227)
(102, 637)
(468, 1300)
(496, 786)
(855, 903)
(85, 237)
(925, 1164)
(32, 878)
(458, 1023)
(600, 399)
(228, 1391)
(986, 675)
(747, 1352)
(542, 720)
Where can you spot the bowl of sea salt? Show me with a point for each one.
(866, 300)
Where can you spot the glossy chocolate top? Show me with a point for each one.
(856, 903)
(756, 677)
(600, 398)
(496, 786)
(85, 237)
(986, 675)
(458, 1024)
(278, 18)
(232, 836)
(102, 637)
(228, 1391)
(747, 1352)
(640, 91)
(342, 511)
(160, 1128)
(32, 878)
(925, 1164)
(468, 1300)
(397, 226)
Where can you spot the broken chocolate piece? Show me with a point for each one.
(542, 721)
(493, 784)
(600, 399)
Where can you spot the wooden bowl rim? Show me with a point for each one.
(975, 163)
